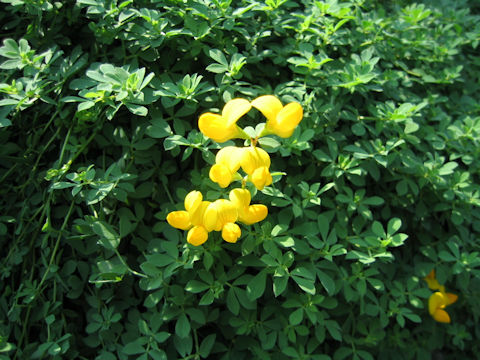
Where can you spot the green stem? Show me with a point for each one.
(133, 272)
(57, 244)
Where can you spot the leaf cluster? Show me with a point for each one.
(99, 101)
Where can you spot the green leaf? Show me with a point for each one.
(218, 56)
(303, 272)
(377, 229)
(161, 336)
(279, 285)
(160, 260)
(158, 129)
(306, 285)
(182, 326)
(108, 236)
(207, 298)
(393, 226)
(373, 200)
(447, 168)
(207, 345)
(256, 286)
(327, 282)
(232, 303)
(217, 68)
(323, 225)
(413, 317)
(296, 317)
(446, 256)
(195, 286)
(135, 347)
(137, 109)
(269, 143)
(334, 329)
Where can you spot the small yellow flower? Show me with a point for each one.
(433, 282)
(227, 163)
(281, 120)
(221, 215)
(437, 302)
(192, 218)
(221, 128)
(256, 162)
(247, 214)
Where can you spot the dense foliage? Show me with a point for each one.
(377, 186)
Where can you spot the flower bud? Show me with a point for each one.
(231, 232)
(197, 235)
(179, 220)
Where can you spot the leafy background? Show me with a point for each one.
(99, 141)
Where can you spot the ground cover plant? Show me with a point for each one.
(361, 240)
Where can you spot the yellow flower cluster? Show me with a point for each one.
(201, 217)
(254, 161)
(439, 299)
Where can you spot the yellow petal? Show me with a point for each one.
(431, 275)
(287, 120)
(264, 157)
(196, 217)
(231, 232)
(209, 124)
(253, 214)
(179, 220)
(234, 110)
(197, 235)
(210, 218)
(436, 301)
(253, 158)
(193, 200)
(216, 127)
(220, 174)
(268, 105)
(249, 161)
(261, 177)
(240, 197)
(227, 211)
(441, 316)
(432, 281)
(230, 156)
(218, 213)
(433, 284)
(451, 298)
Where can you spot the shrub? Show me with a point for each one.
(376, 187)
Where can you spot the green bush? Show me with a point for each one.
(377, 186)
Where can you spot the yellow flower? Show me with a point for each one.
(256, 162)
(437, 302)
(247, 214)
(281, 120)
(433, 282)
(192, 218)
(221, 128)
(227, 163)
(221, 215)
